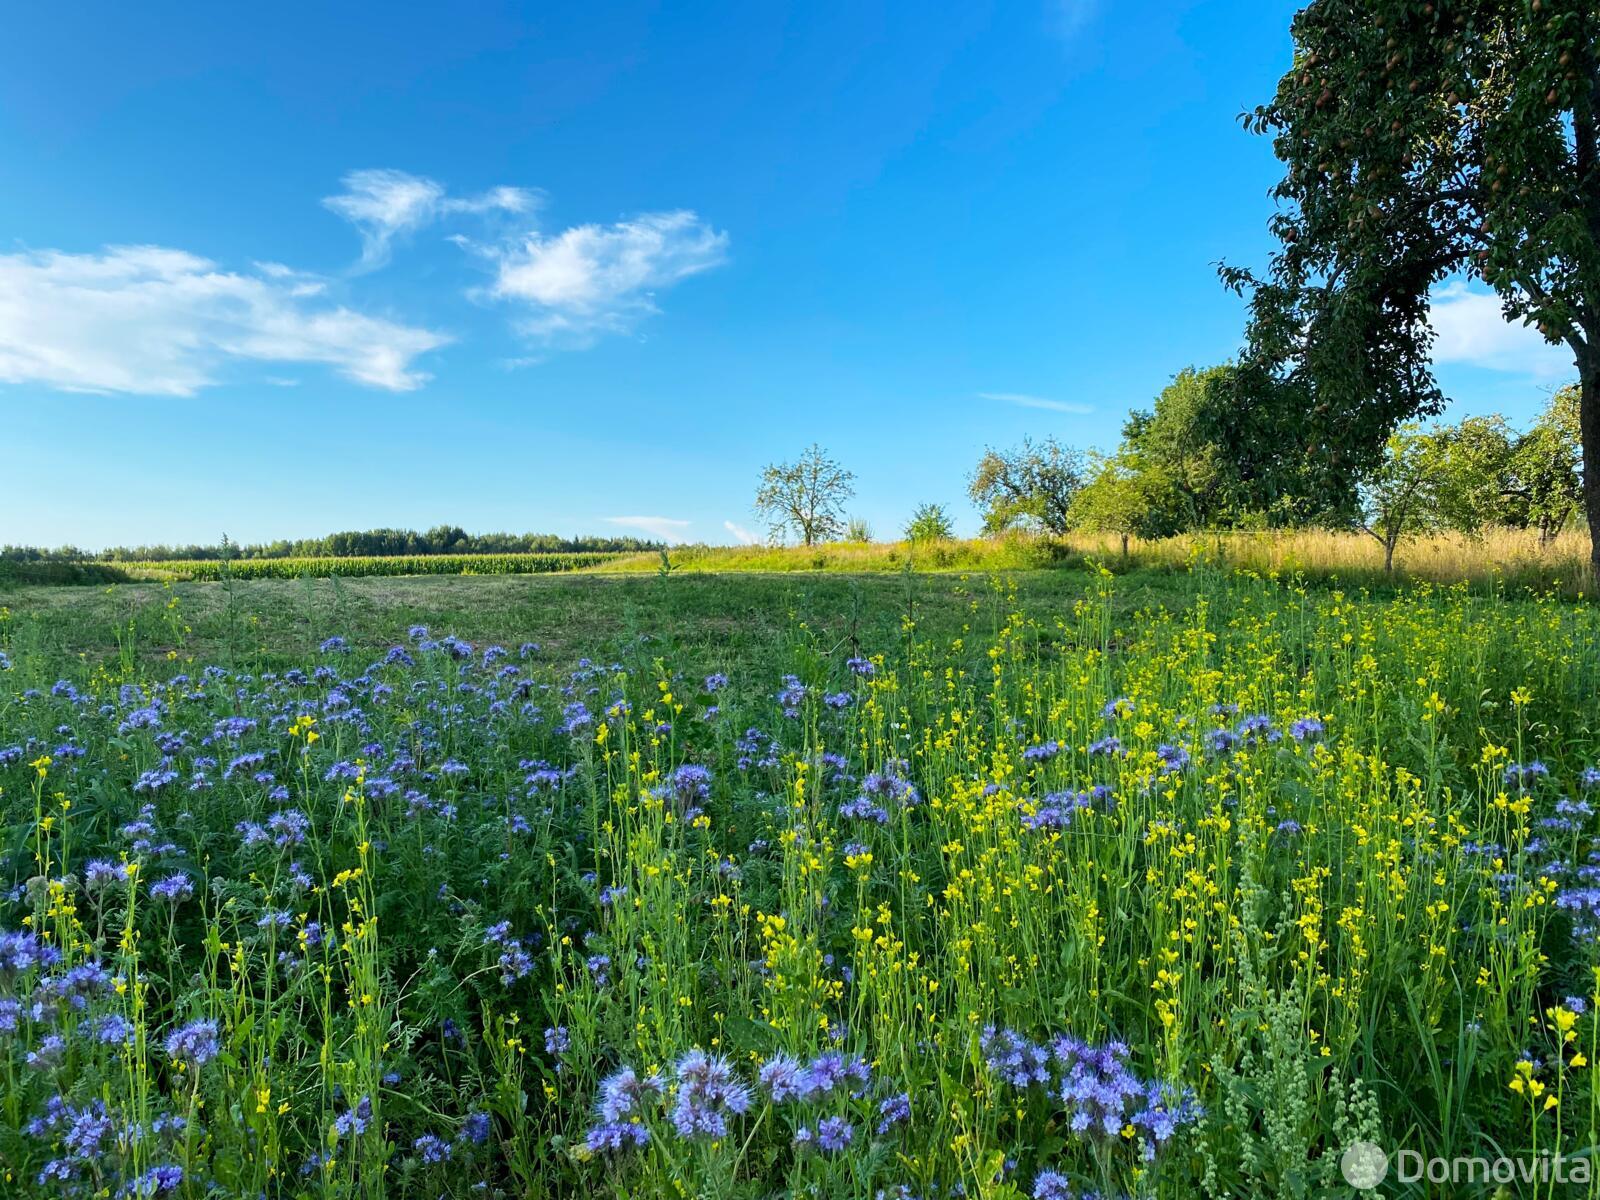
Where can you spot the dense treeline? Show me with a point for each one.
(366, 543)
(1202, 458)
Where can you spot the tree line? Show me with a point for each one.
(365, 543)
(1200, 459)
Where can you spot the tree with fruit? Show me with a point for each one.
(1426, 139)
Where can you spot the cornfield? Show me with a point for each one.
(410, 564)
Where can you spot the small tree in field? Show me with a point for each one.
(930, 523)
(1032, 484)
(1120, 498)
(805, 497)
(1545, 489)
(1401, 495)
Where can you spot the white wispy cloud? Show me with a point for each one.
(385, 204)
(596, 279)
(1022, 400)
(742, 535)
(1470, 327)
(663, 529)
(156, 321)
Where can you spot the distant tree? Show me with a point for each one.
(1124, 497)
(1400, 494)
(1424, 141)
(1031, 485)
(930, 523)
(858, 530)
(1545, 489)
(805, 497)
(1472, 465)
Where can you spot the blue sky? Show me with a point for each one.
(582, 268)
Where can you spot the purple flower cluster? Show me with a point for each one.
(709, 1091)
(791, 696)
(22, 950)
(624, 1099)
(1173, 758)
(194, 1044)
(1052, 1185)
(353, 1122)
(1524, 775)
(1016, 1059)
(1307, 729)
(1094, 1084)
(829, 1136)
(756, 748)
(786, 1078)
(1057, 809)
(882, 792)
(687, 787)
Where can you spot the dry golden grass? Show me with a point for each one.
(1497, 557)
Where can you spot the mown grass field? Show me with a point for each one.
(1047, 884)
(704, 616)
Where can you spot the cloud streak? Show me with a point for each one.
(148, 320)
(1021, 400)
(663, 529)
(742, 535)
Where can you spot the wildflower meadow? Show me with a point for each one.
(1169, 899)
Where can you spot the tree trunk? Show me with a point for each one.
(1589, 423)
(1388, 555)
(1124, 548)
